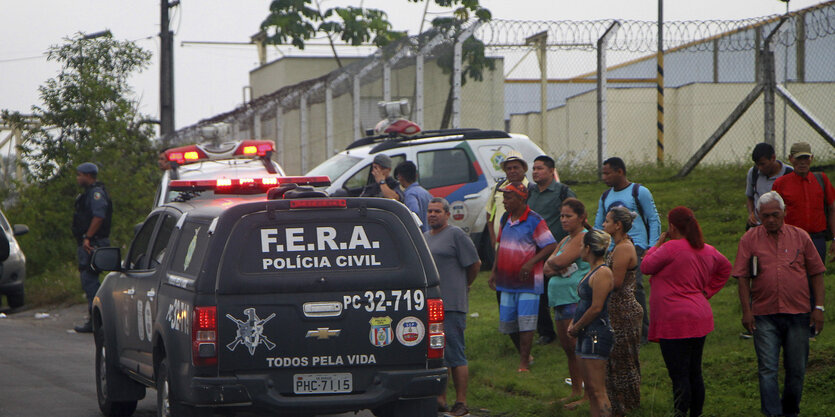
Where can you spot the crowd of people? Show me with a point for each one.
(550, 260)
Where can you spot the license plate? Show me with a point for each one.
(322, 383)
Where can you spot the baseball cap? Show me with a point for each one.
(382, 160)
(515, 156)
(88, 168)
(801, 149)
(516, 187)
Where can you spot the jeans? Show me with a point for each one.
(683, 358)
(791, 333)
(640, 295)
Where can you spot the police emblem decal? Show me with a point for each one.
(380, 334)
(410, 331)
(250, 332)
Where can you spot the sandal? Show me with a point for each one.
(522, 370)
(575, 404)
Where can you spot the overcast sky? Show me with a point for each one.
(210, 79)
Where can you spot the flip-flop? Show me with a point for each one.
(522, 370)
(575, 404)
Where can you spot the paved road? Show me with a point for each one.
(46, 369)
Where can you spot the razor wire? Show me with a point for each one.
(642, 36)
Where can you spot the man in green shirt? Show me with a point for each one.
(545, 197)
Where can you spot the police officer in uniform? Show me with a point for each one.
(91, 229)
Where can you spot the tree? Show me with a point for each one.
(297, 21)
(87, 114)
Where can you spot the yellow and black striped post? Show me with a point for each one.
(659, 83)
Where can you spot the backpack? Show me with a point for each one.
(752, 179)
(827, 231)
(635, 188)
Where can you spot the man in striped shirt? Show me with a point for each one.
(524, 242)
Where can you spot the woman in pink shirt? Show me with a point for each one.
(686, 272)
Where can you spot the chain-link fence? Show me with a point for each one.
(709, 68)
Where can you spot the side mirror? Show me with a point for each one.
(20, 229)
(107, 259)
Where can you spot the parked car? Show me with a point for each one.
(13, 270)
(231, 161)
(292, 304)
(461, 165)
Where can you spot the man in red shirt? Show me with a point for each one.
(805, 198)
(777, 267)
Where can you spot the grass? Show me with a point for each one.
(716, 194)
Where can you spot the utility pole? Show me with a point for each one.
(166, 70)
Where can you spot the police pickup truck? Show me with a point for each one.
(295, 304)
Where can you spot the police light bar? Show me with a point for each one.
(185, 154)
(254, 148)
(245, 185)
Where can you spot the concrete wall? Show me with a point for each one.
(291, 70)
(692, 113)
(482, 107)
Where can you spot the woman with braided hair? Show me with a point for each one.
(686, 272)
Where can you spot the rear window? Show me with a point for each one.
(317, 246)
(191, 248)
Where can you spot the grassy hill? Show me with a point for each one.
(716, 195)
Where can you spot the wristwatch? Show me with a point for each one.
(382, 182)
(84, 237)
(820, 308)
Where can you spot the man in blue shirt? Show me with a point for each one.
(415, 197)
(645, 229)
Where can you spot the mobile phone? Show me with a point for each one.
(570, 269)
(754, 266)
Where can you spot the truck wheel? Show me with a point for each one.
(427, 407)
(110, 381)
(167, 404)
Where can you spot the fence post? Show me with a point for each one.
(456, 73)
(356, 105)
(769, 80)
(279, 135)
(419, 88)
(601, 93)
(256, 126)
(328, 121)
(387, 81)
(659, 86)
(541, 42)
(303, 135)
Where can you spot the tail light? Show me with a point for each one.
(437, 340)
(204, 336)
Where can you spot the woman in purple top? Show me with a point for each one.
(686, 272)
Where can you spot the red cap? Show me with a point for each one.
(516, 187)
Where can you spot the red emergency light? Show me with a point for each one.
(185, 154)
(254, 148)
(245, 185)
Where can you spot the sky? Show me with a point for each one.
(210, 79)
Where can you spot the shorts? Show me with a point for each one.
(564, 311)
(518, 312)
(454, 324)
(595, 343)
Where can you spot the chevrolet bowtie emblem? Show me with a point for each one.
(323, 333)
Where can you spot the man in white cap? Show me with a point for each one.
(514, 167)
(91, 229)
